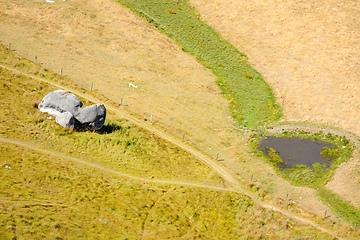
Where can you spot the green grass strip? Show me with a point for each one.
(340, 207)
(252, 101)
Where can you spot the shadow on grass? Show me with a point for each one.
(108, 128)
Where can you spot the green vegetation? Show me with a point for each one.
(274, 156)
(317, 176)
(302, 175)
(305, 176)
(339, 206)
(251, 100)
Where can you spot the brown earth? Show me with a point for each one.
(103, 43)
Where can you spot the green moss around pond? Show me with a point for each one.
(252, 102)
(315, 174)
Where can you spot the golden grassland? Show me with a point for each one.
(62, 184)
(104, 43)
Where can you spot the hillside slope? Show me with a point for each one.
(309, 52)
(61, 184)
(104, 43)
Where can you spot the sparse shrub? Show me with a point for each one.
(171, 11)
(274, 155)
(248, 76)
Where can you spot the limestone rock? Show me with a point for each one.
(68, 111)
(92, 116)
(65, 119)
(60, 101)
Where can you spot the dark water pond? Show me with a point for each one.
(295, 151)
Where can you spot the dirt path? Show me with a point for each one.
(104, 43)
(228, 175)
(107, 170)
(221, 170)
(159, 181)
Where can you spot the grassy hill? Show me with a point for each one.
(101, 42)
(120, 182)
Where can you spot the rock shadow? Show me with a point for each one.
(108, 128)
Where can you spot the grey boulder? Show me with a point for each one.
(92, 116)
(65, 119)
(69, 111)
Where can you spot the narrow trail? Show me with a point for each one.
(221, 170)
(157, 181)
(224, 172)
(107, 170)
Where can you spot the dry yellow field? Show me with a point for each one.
(309, 52)
(103, 43)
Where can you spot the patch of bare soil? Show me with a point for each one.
(103, 43)
(309, 52)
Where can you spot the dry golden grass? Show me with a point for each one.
(104, 43)
(309, 53)
(113, 48)
(62, 184)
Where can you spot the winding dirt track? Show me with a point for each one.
(235, 188)
(107, 170)
(225, 173)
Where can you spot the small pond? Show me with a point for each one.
(296, 151)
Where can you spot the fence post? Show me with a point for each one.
(91, 86)
(217, 156)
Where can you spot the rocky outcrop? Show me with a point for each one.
(69, 111)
